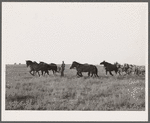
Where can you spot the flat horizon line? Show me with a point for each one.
(65, 63)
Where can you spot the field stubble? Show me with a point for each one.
(27, 92)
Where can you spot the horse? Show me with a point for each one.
(46, 67)
(140, 70)
(127, 68)
(34, 67)
(84, 68)
(132, 69)
(109, 67)
(95, 72)
(53, 67)
(120, 67)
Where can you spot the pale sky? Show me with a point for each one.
(83, 32)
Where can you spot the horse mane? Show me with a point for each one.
(42, 62)
(35, 62)
(77, 63)
(116, 63)
(108, 63)
(28, 61)
(52, 63)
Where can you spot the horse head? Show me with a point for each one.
(117, 64)
(102, 62)
(42, 62)
(74, 64)
(28, 62)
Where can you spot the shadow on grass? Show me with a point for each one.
(28, 77)
(19, 98)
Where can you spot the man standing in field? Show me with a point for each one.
(62, 68)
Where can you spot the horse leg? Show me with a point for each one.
(116, 71)
(77, 74)
(110, 73)
(125, 73)
(138, 73)
(42, 72)
(92, 74)
(96, 75)
(80, 74)
(53, 71)
(38, 73)
(106, 72)
(119, 72)
(47, 72)
(34, 72)
(88, 74)
(129, 71)
(31, 72)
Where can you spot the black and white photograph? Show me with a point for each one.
(74, 61)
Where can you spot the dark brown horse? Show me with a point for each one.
(53, 67)
(120, 68)
(84, 68)
(109, 67)
(46, 67)
(34, 67)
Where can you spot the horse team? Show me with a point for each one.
(123, 69)
(42, 66)
(130, 69)
(89, 68)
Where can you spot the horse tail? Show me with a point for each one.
(96, 71)
(56, 69)
(59, 69)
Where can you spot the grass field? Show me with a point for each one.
(27, 92)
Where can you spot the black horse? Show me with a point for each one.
(84, 68)
(34, 67)
(120, 68)
(95, 71)
(46, 67)
(109, 67)
(53, 67)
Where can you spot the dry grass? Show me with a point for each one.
(27, 92)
